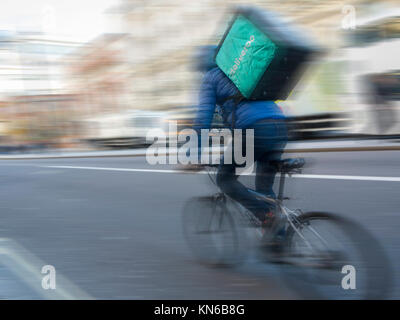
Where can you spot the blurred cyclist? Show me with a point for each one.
(270, 134)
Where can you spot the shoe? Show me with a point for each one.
(274, 232)
(268, 221)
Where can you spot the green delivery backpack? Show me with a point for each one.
(262, 54)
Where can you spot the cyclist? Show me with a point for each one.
(270, 135)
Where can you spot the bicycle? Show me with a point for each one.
(214, 228)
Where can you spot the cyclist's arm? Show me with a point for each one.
(206, 108)
(207, 103)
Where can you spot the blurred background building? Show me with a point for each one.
(35, 107)
(138, 73)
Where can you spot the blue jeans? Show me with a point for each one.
(270, 137)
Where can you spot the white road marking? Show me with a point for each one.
(27, 267)
(115, 169)
(304, 176)
(339, 177)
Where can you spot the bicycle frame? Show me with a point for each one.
(278, 202)
(291, 215)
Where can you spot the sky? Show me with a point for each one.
(81, 20)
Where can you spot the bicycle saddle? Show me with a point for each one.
(288, 165)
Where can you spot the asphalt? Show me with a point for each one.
(118, 234)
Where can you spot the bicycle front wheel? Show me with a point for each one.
(333, 257)
(210, 231)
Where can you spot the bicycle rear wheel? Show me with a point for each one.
(210, 231)
(331, 257)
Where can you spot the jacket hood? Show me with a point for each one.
(204, 58)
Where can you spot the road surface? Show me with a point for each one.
(116, 234)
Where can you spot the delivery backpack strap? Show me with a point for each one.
(237, 98)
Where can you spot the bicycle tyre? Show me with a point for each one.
(197, 213)
(374, 261)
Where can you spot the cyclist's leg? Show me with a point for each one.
(265, 173)
(270, 142)
(227, 180)
(268, 139)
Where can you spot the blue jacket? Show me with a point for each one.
(216, 87)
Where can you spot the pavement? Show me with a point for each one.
(111, 226)
(292, 147)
